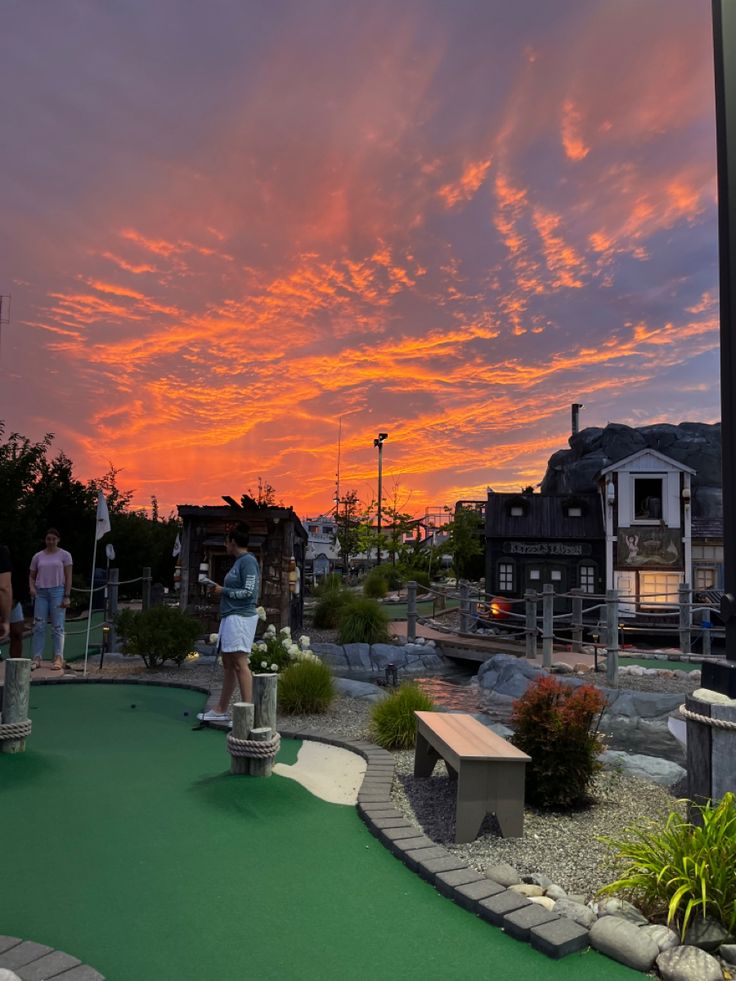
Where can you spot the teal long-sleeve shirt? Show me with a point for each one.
(241, 587)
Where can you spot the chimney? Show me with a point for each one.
(576, 407)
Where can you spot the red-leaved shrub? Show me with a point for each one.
(557, 725)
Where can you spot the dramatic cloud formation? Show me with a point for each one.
(227, 228)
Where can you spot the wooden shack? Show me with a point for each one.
(277, 540)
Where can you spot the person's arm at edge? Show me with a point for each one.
(6, 604)
(67, 583)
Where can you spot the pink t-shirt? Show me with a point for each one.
(49, 567)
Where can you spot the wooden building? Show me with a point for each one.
(538, 539)
(278, 541)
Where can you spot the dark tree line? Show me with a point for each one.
(38, 490)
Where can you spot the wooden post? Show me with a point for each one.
(146, 593)
(612, 636)
(530, 628)
(684, 599)
(260, 766)
(464, 607)
(264, 700)
(16, 697)
(243, 716)
(411, 611)
(548, 608)
(577, 620)
(711, 750)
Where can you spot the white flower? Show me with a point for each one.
(304, 642)
(264, 664)
(260, 610)
(213, 638)
(286, 631)
(274, 667)
(293, 649)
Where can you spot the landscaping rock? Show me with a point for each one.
(544, 901)
(624, 910)
(527, 889)
(624, 942)
(6, 975)
(503, 874)
(332, 654)
(663, 937)
(659, 771)
(555, 892)
(728, 953)
(538, 879)
(358, 656)
(383, 654)
(581, 914)
(706, 933)
(561, 667)
(688, 964)
(360, 689)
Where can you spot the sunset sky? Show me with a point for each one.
(225, 225)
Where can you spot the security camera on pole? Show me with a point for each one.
(378, 441)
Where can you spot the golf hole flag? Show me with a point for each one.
(103, 517)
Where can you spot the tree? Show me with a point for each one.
(397, 524)
(465, 542)
(348, 517)
(265, 497)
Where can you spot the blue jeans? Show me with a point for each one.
(48, 605)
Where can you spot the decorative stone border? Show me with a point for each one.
(551, 934)
(36, 962)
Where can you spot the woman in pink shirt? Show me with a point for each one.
(50, 583)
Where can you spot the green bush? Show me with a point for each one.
(420, 576)
(306, 688)
(331, 583)
(556, 724)
(161, 633)
(375, 584)
(683, 869)
(393, 724)
(327, 611)
(362, 621)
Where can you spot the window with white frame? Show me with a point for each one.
(705, 577)
(587, 578)
(534, 574)
(556, 575)
(506, 576)
(648, 497)
(658, 588)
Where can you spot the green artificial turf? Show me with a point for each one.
(127, 843)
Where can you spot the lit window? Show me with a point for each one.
(587, 578)
(517, 511)
(506, 576)
(647, 498)
(658, 588)
(556, 575)
(705, 577)
(534, 574)
(313, 529)
(574, 512)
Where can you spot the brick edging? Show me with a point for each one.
(38, 962)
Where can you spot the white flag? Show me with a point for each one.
(103, 517)
(177, 546)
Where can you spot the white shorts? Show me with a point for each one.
(236, 634)
(16, 614)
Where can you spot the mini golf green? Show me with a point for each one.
(127, 843)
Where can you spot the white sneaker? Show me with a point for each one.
(213, 716)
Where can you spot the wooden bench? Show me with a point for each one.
(488, 769)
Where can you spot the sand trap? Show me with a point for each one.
(333, 774)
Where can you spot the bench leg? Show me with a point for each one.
(472, 805)
(509, 801)
(425, 757)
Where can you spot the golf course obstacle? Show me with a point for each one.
(254, 742)
(14, 722)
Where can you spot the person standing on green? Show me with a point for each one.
(238, 621)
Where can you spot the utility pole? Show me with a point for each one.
(378, 442)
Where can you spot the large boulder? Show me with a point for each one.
(688, 964)
(624, 942)
(507, 675)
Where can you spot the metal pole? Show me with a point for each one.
(411, 612)
(612, 636)
(380, 477)
(722, 676)
(548, 609)
(705, 632)
(112, 607)
(530, 626)
(684, 598)
(464, 607)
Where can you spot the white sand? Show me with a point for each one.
(328, 772)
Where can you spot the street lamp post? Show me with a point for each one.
(378, 442)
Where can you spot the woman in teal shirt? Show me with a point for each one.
(238, 621)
